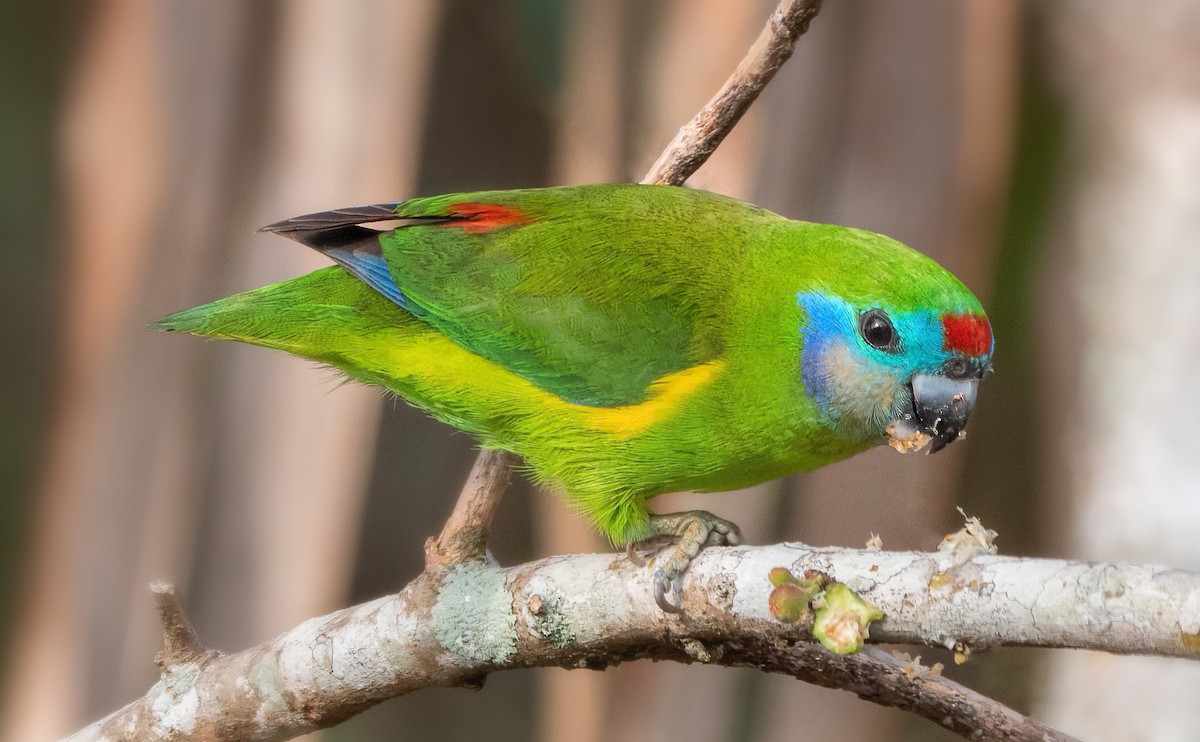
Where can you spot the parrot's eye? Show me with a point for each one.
(877, 330)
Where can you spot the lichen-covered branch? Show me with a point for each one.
(457, 624)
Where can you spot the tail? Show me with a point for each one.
(324, 315)
(332, 317)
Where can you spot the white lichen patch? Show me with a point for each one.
(348, 650)
(369, 643)
(577, 606)
(174, 709)
(473, 616)
(547, 619)
(266, 681)
(393, 630)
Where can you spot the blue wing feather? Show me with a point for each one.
(372, 269)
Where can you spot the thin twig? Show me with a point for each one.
(180, 643)
(465, 535)
(699, 138)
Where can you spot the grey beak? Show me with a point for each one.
(942, 406)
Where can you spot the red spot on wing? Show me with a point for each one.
(480, 218)
(967, 333)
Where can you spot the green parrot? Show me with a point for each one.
(631, 340)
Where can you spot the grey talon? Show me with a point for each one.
(688, 534)
(632, 554)
(662, 588)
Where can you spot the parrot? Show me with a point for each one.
(630, 340)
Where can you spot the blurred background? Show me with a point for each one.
(1046, 153)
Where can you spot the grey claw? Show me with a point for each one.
(632, 554)
(662, 588)
(688, 533)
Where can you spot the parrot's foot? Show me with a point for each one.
(639, 552)
(689, 531)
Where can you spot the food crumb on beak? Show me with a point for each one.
(905, 436)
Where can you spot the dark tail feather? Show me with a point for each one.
(340, 236)
(341, 225)
(300, 227)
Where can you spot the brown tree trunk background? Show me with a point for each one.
(1132, 224)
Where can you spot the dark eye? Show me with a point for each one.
(877, 330)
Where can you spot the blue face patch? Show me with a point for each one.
(829, 322)
(852, 382)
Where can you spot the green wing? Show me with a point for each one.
(590, 292)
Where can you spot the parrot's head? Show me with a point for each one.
(899, 359)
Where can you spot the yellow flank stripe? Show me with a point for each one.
(437, 359)
(667, 394)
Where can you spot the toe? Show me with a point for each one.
(663, 585)
(691, 532)
(632, 554)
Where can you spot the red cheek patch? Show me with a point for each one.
(481, 218)
(967, 333)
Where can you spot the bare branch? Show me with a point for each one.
(880, 677)
(596, 610)
(180, 643)
(465, 535)
(699, 137)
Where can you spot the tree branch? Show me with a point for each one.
(465, 535)
(180, 643)
(465, 621)
(699, 138)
